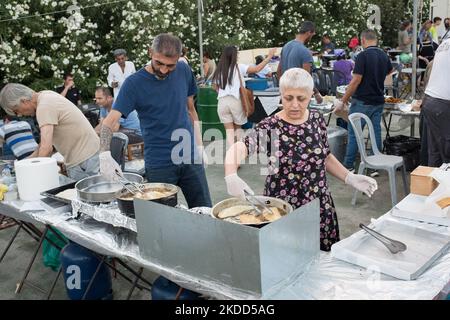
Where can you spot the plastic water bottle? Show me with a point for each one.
(6, 176)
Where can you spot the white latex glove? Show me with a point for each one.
(203, 156)
(236, 186)
(362, 183)
(108, 166)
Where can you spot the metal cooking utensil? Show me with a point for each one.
(394, 246)
(135, 187)
(258, 203)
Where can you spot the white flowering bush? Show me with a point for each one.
(38, 49)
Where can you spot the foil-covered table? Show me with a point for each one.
(326, 278)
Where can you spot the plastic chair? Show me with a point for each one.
(118, 147)
(320, 81)
(332, 78)
(378, 160)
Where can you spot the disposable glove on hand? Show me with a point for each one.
(236, 186)
(338, 105)
(362, 183)
(108, 166)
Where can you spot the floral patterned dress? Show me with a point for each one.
(296, 167)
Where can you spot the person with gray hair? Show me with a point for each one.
(62, 126)
(120, 70)
(162, 94)
(295, 142)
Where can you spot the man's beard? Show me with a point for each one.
(159, 75)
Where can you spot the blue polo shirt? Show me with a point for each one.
(162, 109)
(130, 122)
(294, 54)
(374, 65)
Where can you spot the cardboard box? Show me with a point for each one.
(421, 181)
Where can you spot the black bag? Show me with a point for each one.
(406, 147)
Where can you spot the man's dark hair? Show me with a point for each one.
(105, 91)
(259, 59)
(167, 45)
(405, 25)
(306, 26)
(67, 74)
(326, 36)
(369, 35)
(436, 19)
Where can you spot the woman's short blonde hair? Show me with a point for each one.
(296, 78)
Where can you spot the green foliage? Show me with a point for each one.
(37, 51)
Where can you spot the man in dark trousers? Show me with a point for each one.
(366, 90)
(436, 108)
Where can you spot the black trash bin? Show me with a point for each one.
(406, 147)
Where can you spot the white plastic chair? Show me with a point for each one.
(378, 160)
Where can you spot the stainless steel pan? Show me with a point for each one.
(268, 201)
(98, 189)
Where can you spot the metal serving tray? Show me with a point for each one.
(52, 193)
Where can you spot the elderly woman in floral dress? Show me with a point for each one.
(295, 141)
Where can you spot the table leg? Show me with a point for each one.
(10, 242)
(93, 278)
(136, 279)
(54, 283)
(413, 127)
(21, 283)
(133, 272)
(387, 126)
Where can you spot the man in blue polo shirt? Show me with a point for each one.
(162, 94)
(129, 125)
(367, 90)
(295, 54)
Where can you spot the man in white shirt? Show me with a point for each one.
(436, 108)
(120, 70)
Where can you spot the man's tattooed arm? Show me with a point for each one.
(105, 138)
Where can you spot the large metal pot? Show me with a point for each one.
(269, 201)
(98, 189)
(125, 199)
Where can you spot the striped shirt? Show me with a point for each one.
(19, 138)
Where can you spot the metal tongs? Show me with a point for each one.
(255, 202)
(130, 186)
(394, 246)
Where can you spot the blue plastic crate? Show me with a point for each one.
(257, 84)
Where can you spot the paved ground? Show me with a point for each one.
(13, 265)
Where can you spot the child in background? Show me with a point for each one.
(18, 137)
(344, 76)
(344, 66)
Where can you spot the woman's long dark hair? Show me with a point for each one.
(226, 66)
